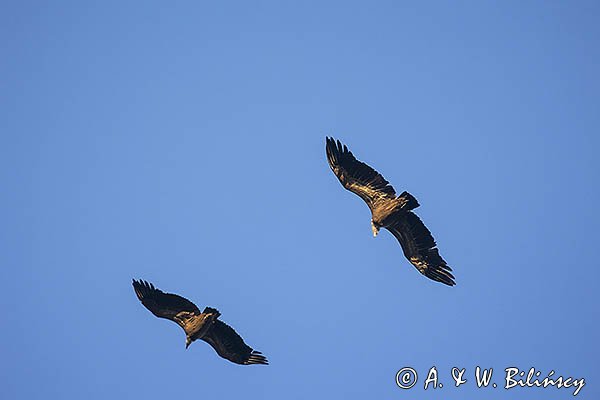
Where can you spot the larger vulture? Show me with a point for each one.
(198, 325)
(389, 211)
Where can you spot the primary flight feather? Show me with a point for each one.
(389, 211)
(203, 325)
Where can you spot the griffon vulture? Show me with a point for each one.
(198, 325)
(389, 211)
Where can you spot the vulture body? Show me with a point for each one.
(203, 325)
(389, 211)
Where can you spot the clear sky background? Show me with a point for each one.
(183, 143)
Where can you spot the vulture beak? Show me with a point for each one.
(374, 228)
(187, 343)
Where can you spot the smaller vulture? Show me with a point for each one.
(389, 211)
(198, 325)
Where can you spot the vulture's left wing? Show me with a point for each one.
(229, 345)
(356, 176)
(420, 249)
(165, 305)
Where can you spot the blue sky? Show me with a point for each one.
(183, 143)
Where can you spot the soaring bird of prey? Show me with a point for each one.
(389, 211)
(198, 325)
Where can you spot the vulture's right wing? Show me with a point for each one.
(420, 249)
(229, 345)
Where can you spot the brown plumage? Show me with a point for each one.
(389, 211)
(203, 325)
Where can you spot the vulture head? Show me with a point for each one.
(375, 227)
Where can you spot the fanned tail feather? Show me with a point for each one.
(409, 201)
(210, 310)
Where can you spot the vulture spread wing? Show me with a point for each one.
(420, 248)
(165, 305)
(357, 176)
(229, 345)
(417, 243)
